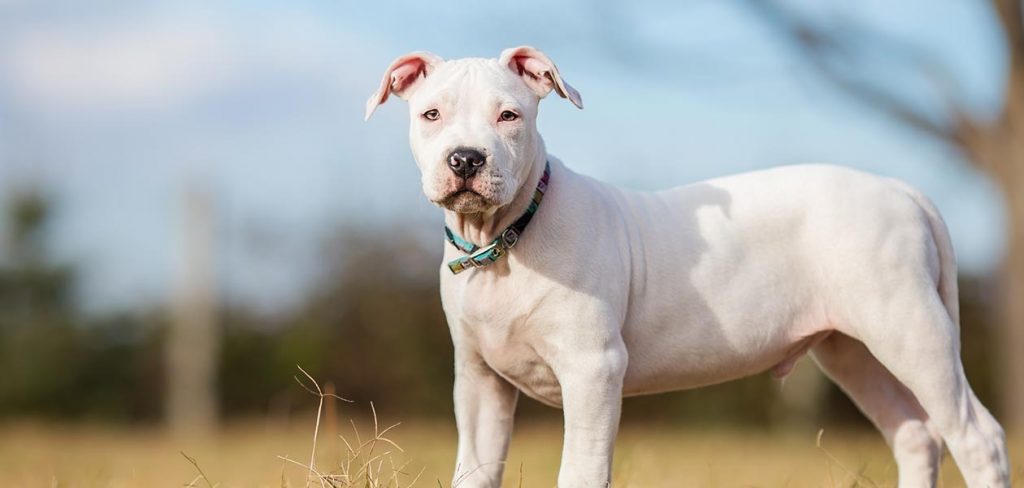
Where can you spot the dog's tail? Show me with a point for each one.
(947, 286)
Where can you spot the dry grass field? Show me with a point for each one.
(250, 455)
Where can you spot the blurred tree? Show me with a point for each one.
(843, 52)
(30, 284)
(381, 305)
(373, 326)
(35, 309)
(55, 362)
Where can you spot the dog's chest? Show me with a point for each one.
(510, 341)
(521, 365)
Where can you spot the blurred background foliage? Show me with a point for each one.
(373, 327)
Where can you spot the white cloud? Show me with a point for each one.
(156, 58)
(129, 62)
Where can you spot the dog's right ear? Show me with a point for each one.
(402, 77)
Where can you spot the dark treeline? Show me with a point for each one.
(373, 326)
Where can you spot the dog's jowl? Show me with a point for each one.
(578, 293)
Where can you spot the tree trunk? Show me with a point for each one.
(1012, 318)
(1011, 298)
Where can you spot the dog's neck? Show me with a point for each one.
(482, 228)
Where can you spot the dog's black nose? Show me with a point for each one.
(465, 162)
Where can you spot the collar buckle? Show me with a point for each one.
(510, 237)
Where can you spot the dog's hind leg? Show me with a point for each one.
(897, 294)
(888, 404)
(920, 347)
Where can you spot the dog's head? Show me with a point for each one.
(473, 126)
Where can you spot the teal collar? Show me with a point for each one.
(479, 257)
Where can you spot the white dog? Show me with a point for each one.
(608, 292)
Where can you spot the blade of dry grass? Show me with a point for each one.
(319, 413)
(202, 475)
(858, 476)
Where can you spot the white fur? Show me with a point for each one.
(613, 293)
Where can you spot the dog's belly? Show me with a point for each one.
(521, 366)
(687, 368)
(671, 356)
(722, 326)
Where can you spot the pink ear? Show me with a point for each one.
(539, 73)
(402, 77)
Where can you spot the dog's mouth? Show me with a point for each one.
(465, 201)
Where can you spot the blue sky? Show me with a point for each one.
(116, 107)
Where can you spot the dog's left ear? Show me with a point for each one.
(402, 78)
(539, 73)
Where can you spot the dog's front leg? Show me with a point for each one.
(592, 401)
(485, 406)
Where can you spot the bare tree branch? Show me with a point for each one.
(1011, 17)
(828, 48)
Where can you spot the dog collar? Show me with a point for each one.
(479, 257)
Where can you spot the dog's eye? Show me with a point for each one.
(509, 116)
(431, 114)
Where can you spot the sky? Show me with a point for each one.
(116, 108)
